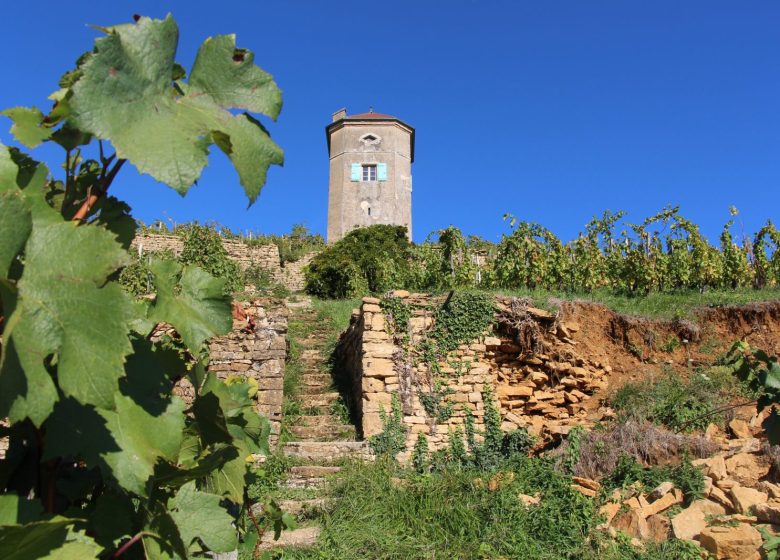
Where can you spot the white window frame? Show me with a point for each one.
(368, 172)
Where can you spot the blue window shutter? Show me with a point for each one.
(355, 176)
(381, 171)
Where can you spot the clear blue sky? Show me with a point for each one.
(553, 111)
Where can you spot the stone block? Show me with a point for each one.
(378, 367)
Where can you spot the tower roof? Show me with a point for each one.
(341, 116)
(371, 115)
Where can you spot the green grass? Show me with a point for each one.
(654, 305)
(384, 513)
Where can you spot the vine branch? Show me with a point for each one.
(105, 182)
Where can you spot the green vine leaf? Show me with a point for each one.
(46, 540)
(125, 94)
(66, 312)
(27, 127)
(142, 439)
(192, 301)
(198, 515)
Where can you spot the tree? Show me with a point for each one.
(103, 459)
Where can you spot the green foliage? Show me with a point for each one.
(137, 277)
(420, 461)
(165, 126)
(392, 439)
(456, 512)
(771, 544)
(102, 456)
(435, 402)
(572, 455)
(684, 475)
(203, 247)
(664, 254)
(460, 320)
(671, 401)
(297, 244)
(371, 259)
(761, 373)
(517, 442)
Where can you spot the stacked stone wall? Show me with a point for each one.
(293, 276)
(265, 257)
(544, 390)
(255, 348)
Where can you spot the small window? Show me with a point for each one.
(369, 173)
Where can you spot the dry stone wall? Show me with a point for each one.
(255, 348)
(546, 388)
(293, 276)
(265, 257)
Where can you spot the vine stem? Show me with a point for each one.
(260, 531)
(93, 197)
(137, 537)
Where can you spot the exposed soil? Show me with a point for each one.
(638, 348)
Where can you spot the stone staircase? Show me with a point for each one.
(321, 438)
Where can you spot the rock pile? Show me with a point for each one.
(736, 501)
(543, 388)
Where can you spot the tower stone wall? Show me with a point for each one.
(369, 139)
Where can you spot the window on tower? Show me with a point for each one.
(369, 173)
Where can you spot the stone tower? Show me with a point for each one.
(371, 159)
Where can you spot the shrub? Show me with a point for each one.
(672, 402)
(137, 277)
(371, 259)
(420, 461)
(595, 454)
(203, 247)
(516, 442)
(392, 439)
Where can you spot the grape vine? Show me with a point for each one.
(103, 460)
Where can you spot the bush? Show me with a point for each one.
(372, 259)
(137, 277)
(672, 402)
(203, 247)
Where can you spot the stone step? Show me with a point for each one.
(323, 433)
(303, 508)
(316, 379)
(298, 538)
(316, 471)
(303, 483)
(316, 389)
(328, 450)
(321, 420)
(320, 399)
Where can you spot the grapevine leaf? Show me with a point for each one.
(112, 518)
(198, 515)
(64, 308)
(770, 377)
(229, 481)
(162, 540)
(15, 226)
(15, 218)
(229, 76)
(143, 439)
(125, 94)
(772, 426)
(65, 436)
(45, 540)
(27, 127)
(18, 511)
(195, 305)
(8, 169)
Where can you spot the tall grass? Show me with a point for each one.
(380, 513)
